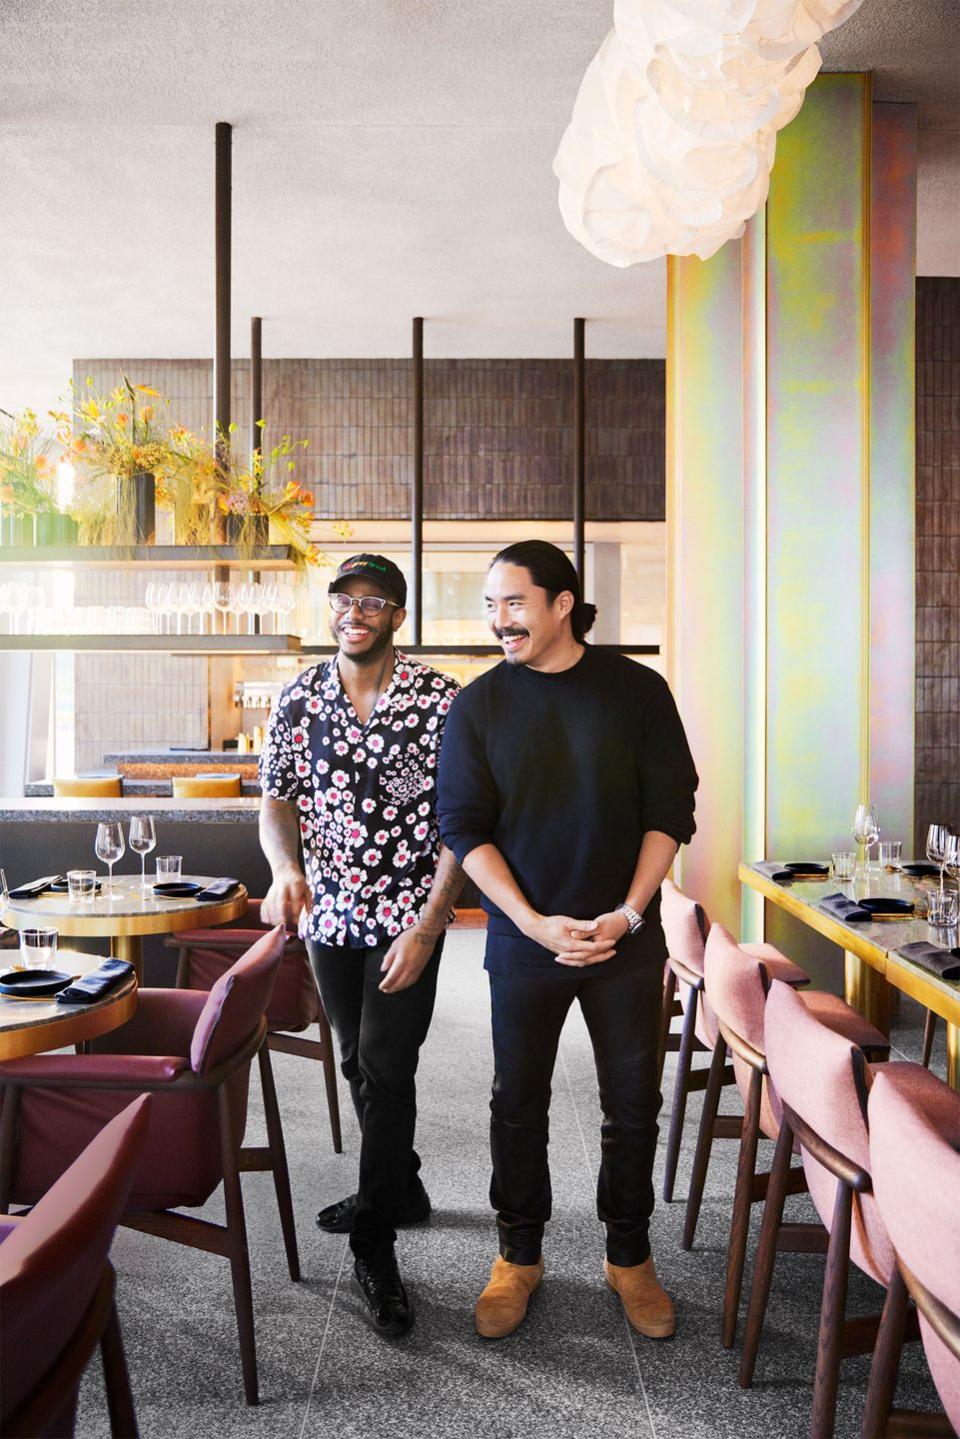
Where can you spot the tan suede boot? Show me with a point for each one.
(503, 1304)
(646, 1304)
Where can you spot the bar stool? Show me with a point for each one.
(108, 786)
(915, 1157)
(822, 1079)
(737, 984)
(207, 786)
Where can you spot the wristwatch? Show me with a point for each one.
(635, 920)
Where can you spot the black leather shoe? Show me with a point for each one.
(338, 1218)
(386, 1299)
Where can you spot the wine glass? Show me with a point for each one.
(110, 846)
(866, 828)
(143, 839)
(937, 837)
(951, 856)
(222, 600)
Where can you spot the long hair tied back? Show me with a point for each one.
(553, 571)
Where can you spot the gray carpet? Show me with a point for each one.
(573, 1369)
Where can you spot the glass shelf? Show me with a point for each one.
(156, 644)
(148, 557)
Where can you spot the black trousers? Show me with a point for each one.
(379, 1037)
(622, 1013)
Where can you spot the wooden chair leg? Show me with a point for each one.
(237, 1246)
(766, 1253)
(740, 1218)
(123, 1415)
(680, 1091)
(929, 1029)
(278, 1162)
(832, 1310)
(8, 1132)
(886, 1360)
(330, 1081)
(701, 1158)
(666, 1015)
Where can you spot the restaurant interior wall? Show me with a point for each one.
(938, 555)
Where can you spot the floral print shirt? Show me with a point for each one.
(366, 796)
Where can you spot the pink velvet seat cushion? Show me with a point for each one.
(237, 1002)
(294, 1003)
(812, 1066)
(915, 1154)
(52, 1260)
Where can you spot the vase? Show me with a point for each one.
(136, 509)
(21, 531)
(68, 530)
(233, 529)
(260, 529)
(48, 528)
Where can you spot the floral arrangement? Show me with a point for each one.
(263, 503)
(27, 474)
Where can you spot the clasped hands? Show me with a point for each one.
(579, 942)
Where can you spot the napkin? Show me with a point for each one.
(97, 983)
(35, 888)
(945, 962)
(219, 889)
(773, 869)
(840, 907)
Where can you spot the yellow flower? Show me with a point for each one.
(146, 390)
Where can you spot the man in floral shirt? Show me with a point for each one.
(349, 771)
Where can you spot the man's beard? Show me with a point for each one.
(381, 640)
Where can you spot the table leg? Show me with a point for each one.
(953, 1056)
(130, 948)
(867, 991)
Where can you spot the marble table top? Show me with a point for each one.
(31, 1013)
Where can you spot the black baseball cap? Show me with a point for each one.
(373, 567)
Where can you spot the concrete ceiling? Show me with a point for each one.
(391, 157)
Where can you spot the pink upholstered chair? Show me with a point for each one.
(193, 1051)
(737, 983)
(821, 1079)
(685, 927)
(204, 954)
(57, 1289)
(915, 1157)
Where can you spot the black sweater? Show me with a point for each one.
(565, 773)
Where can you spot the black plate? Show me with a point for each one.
(184, 890)
(920, 868)
(807, 866)
(887, 906)
(33, 983)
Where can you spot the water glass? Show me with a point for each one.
(891, 851)
(944, 908)
(38, 948)
(844, 863)
(168, 868)
(81, 885)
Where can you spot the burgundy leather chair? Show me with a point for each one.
(57, 1289)
(737, 983)
(205, 954)
(685, 928)
(193, 1052)
(915, 1158)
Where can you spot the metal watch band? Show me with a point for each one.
(635, 920)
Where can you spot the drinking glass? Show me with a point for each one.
(844, 863)
(168, 868)
(937, 837)
(866, 828)
(143, 839)
(110, 847)
(222, 601)
(891, 851)
(943, 909)
(4, 894)
(81, 885)
(38, 948)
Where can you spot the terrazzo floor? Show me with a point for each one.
(573, 1369)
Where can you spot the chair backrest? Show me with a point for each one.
(207, 786)
(915, 1154)
(735, 985)
(684, 926)
(824, 1079)
(90, 787)
(52, 1260)
(237, 1002)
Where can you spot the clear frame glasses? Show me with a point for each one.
(369, 605)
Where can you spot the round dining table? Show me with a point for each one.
(33, 1026)
(125, 914)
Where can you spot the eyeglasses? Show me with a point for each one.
(367, 604)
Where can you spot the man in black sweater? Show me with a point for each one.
(565, 788)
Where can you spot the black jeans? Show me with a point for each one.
(379, 1037)
(622, 1013)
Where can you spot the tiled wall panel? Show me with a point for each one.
(938, 555)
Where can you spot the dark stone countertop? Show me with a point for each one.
(182, 811)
